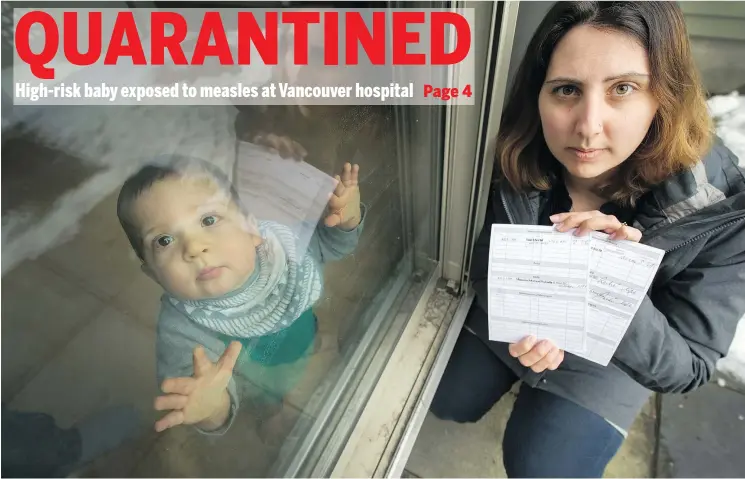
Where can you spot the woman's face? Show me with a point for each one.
(595, 104)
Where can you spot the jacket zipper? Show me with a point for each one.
(705, 233)
(504, 205)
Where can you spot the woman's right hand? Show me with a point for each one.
(537, 355)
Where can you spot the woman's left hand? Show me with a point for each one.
(587, 221)
(537, 355)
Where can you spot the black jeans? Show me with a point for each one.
(34, 446)
(546, 435)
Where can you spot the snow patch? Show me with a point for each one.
(729, 116)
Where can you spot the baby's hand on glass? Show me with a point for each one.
(537, 355)
(202, 399)
(587, 221)
(282, 145)
(344, 208)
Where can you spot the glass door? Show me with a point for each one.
(384, 435)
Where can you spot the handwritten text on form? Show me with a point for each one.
(579, 292)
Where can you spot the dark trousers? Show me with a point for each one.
(546, 435)
(34, 446)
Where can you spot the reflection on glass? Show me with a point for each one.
(304, 285)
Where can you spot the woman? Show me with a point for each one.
(606, 129)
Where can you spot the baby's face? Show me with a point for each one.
(196, 242)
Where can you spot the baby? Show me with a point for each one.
(237, 293)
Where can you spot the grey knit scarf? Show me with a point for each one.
(282, 287)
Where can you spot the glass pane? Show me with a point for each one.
(88, 335)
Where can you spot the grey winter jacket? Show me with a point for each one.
(688, 319)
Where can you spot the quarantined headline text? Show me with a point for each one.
(243, 56)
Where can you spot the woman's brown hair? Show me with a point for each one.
(680, 132)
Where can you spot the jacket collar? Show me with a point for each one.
(713, 180)
(697, 200)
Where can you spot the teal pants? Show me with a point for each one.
(271, 366)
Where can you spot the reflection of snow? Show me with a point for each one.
(729, 114)
(57, 227)
(734, 363)
(118, 138)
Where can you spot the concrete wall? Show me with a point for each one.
(721, 62)
(720, 55)
(717, 31)
(529, 16)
